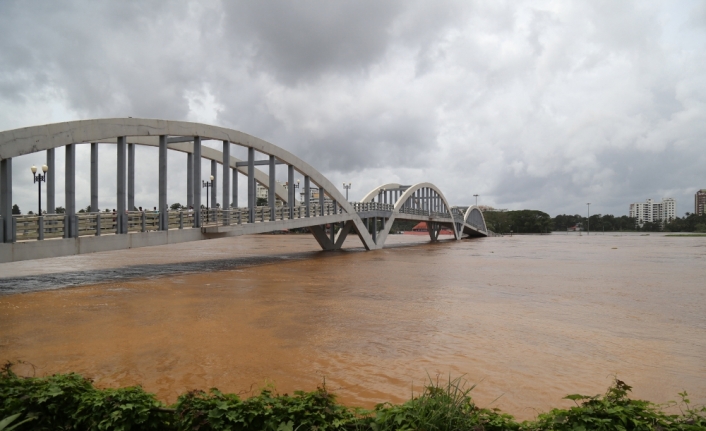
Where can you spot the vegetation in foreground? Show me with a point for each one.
(71, 402)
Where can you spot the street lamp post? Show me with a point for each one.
(207, 185)
(588, 220)
(476, 199)
(39, 179)
(347, 187)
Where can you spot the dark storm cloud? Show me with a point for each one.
(300, 41)
(544, 105)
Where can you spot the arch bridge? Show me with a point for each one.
(322, 208)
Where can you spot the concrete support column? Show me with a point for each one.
(196, 184)
(226, 175)
(6, 199)
(70, 228)
(307, 193)
(51, 182)
(214, 184)
(122, 185)
(235, 188)
(163, 208)
(271, 197)
(321, 200)
(290, 189)
(251, 185)
(131, 177)
(189, 180)
(94, 177)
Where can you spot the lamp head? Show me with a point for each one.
(45, 168)
(211, 177)
(34, 169)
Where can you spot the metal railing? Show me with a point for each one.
(47, 226)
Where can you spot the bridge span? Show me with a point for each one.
(323, 209)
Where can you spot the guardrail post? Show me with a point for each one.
(14, 229)
(181, 219)
(307, 193)
(240, 217)
(143, 219)
(98, 223)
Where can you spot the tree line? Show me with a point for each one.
(534, 221)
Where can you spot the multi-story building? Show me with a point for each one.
(700, 202)
(651, 211)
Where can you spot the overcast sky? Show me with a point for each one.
(532, 105)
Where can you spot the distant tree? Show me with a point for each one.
(176, 206)
(81, 211)
(530, 221)
(60, 210)
(16, 210)
(30, 213)
(88, 209)
(498, 222)
(261, 202)
(651, 226)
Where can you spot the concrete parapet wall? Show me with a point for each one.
(14, 252)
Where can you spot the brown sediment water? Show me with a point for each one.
(529, 318)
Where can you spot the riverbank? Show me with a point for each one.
(71, 401)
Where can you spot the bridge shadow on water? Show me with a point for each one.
(58, 280)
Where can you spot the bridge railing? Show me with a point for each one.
(263, 214)
(28, 227)
(415, 211)
(372, 206)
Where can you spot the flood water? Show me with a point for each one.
(528, 318)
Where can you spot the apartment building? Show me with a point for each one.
(700, 202)
(651, 211)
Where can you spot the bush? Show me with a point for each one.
(71, 402)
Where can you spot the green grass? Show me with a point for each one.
(71, 402)
(688, 234)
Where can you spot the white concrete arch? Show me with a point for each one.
(29, 140)
(407, 194)
(374, 192)
(474, 217)
(17, 142)
(412, 189)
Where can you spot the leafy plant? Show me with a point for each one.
(5, 423)
(71, 402)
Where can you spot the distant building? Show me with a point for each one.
(261, 192)
(700, 202)
(650, 211)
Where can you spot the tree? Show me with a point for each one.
(530, 221)
(176, 206)
(497, 221)
(261, 202)
(16, 210)
(60, 210)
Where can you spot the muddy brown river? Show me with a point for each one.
(528, 319)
